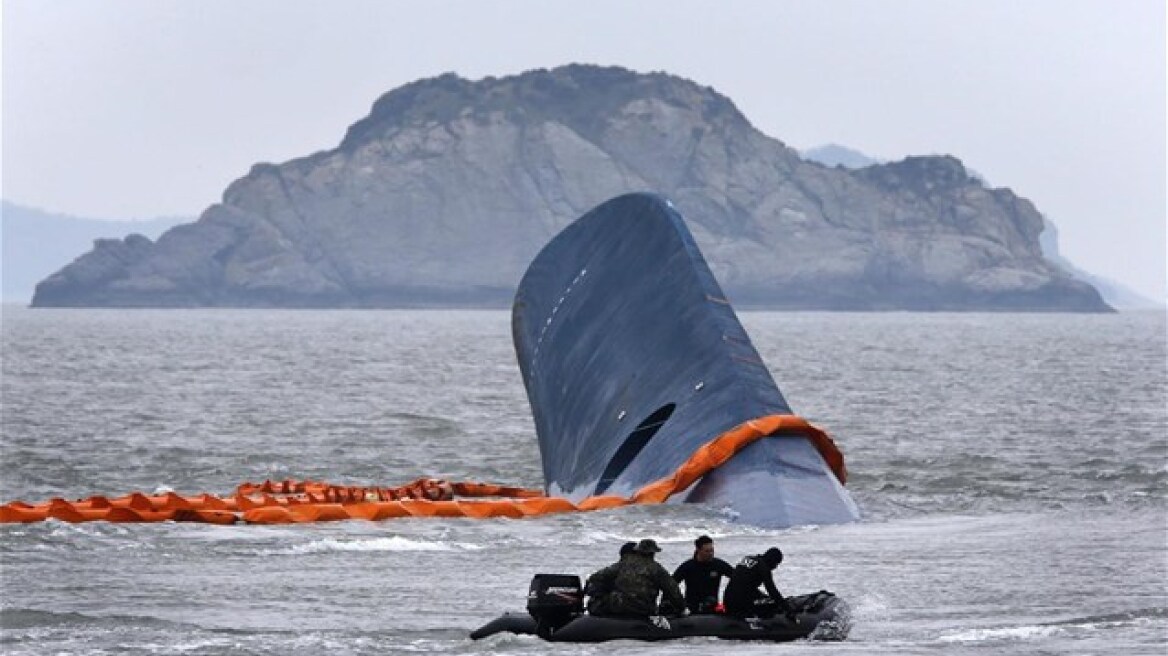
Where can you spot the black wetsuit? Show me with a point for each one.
(702, 581)
(744, 599)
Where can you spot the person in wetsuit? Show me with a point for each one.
(635, 582)
(702, 576)
(743, 597)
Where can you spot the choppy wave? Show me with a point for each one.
(13, 618)
(393, 543)
(1144, 618)
(1002, 633)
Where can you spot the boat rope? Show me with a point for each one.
(291, 501)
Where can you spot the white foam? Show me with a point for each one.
(599, 537)
(394, 543)
(1004, 633)
(869, 607)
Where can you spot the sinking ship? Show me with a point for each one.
(633, 359)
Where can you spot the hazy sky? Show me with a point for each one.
(135, 109)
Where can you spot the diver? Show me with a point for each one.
(702, 576)
(744, 599)
(629, 588)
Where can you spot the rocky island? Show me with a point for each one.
(445, 192)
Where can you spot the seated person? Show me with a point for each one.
(702, 576)
(743, 597)
(598, 588)
(634, 584)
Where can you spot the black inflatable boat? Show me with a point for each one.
(555, 613)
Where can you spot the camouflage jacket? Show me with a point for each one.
(599, 589)
(630, 587)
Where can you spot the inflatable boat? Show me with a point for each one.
(555, 613)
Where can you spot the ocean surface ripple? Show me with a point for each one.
(1011, 470)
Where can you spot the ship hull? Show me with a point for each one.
(633, 358)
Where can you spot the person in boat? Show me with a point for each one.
(702, 576)
(598, 587)
(743, 597)
(634, 584)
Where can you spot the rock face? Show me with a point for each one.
(446, 191)
(35, 243)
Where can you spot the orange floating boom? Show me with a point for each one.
(291, 501)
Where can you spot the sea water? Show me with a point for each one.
(1011, 470)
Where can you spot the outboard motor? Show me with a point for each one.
(554, 600)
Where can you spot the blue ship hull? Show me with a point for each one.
(633, 358)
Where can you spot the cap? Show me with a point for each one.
(647, 546)
(628, 548)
